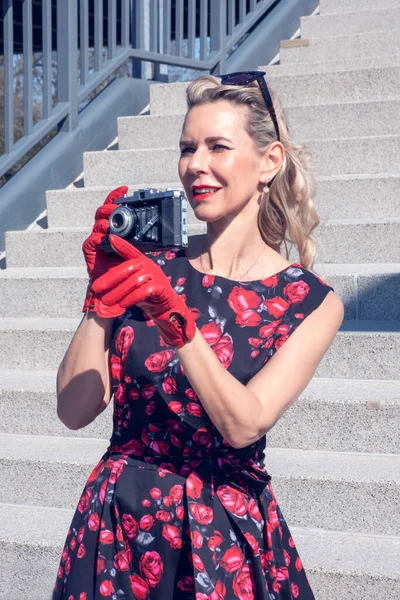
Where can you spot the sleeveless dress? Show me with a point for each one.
(172, 511)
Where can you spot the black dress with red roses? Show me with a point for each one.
(172, 511)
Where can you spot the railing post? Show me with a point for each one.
(67, 51)
(218, 34)
(8, 45)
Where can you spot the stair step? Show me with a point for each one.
(317, 26)
(351, 196)
(357, 85)
(361, 350)
(357, 45)
(373, 154)
(370, 411)
(311, 122)
(59, 468)
(372, 240)
(346, 6)
(369, 291)
(331, 66)
(39, 533)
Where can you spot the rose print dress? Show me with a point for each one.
(172, 511)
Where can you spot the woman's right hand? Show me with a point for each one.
(99, 262)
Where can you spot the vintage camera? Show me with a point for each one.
(150, 219)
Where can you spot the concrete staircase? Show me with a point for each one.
(334, 456)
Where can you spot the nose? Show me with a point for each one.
(198, 161)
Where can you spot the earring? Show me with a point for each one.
(266, 189)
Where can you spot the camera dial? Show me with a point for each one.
(122, 221)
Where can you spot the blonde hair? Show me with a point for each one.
(287, 214)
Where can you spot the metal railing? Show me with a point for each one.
(205, 32)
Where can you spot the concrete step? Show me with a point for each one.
(364, 21)
(39, 533)
(360, 350)
(347, 197)
(331, 66)
(346, 6)
(36, 391)
(356, 45)
(357, 85)
(372, 240)
(59, 467)
(340, 156)
(352, 415)
(369, 291)
(312, 122)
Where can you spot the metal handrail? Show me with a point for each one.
(144, 35)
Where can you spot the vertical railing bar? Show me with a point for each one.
(139, 24)
(153, 25)
(27, 26)
(98, 35)
(191, 28)
(178, 27)
(253, 5)
(84, 41)
(231, 16)
(112, 28)
(242, 11)
(8, 50)
(203, 29)
(47, 62)
(125, 22)
(218, 34)
(67, 51)
(167, 26)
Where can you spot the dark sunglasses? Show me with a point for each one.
(244, 77)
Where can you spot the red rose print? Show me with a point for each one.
(219, 591)
(256, 342)
(194, 486)
(248, 318)
(294, 589)
(298, 564)
(83, 596)
(134, 394)
(120, 394)
(224, 351)
(276, 306)
(186, 584)
(211, 332)
(296, 292)
(155, 493)
(255, 353)
(68, 565)
(241, 299)
(180, 512)
(139, 587)
(158, 361)
(194, 409)
(232, 559)
(124, 341)
(148, 391)
(100, 565)
(191, 394)
(291, 542)
(176, 493)
(198, 563)
(243, 583)
(170, 254)
(181, 281)
(64, 554)
(146, 522)
(283, 329)
(150, 407)
(169, 385)
(85, 500)
(233, 500)
(269, 329)
(96, 471)
(116, 470)
(197, 539)
(254, 511)
(81, 551)
(130, 526)
(72, 543)
(146, 503)
(106, 537)
(160, 447)
(208, 280)
(117, 370)
(215, 540)
(175, 406)
(203, 437)
(167, 501)
(151, 567)
(252, 542)
(173, 535)
(106, 588)
(122, 560)
(164, 515)
(202, 514)
(270, 281)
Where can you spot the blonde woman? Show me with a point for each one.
(204, 349)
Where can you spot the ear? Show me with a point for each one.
(271, 162)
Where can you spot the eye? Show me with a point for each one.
(216, 146)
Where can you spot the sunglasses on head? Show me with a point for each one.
(244, 77)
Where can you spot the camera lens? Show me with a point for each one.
(122, 221)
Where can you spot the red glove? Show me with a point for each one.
(138, 280)
(99, 262)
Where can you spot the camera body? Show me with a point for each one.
(151, 219)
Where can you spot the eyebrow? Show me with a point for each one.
(209, 139)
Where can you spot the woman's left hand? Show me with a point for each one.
(139, 281)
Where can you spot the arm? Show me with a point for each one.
(243, 414)
(83, 378)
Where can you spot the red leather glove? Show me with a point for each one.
(138, 280)
(99, 262)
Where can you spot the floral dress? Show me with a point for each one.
(172, 511)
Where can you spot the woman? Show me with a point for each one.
(204, 350)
